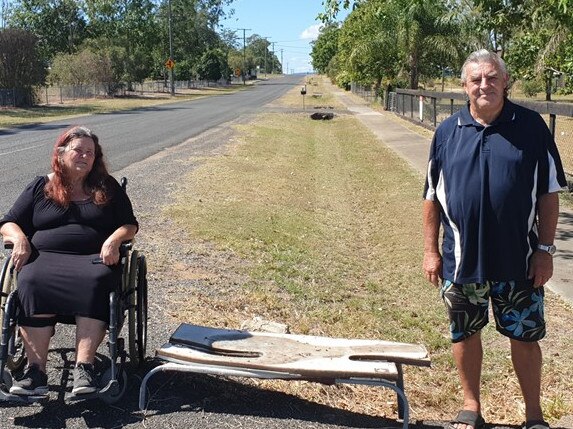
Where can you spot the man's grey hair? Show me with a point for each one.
(483, 56)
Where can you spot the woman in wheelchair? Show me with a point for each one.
(66, 229)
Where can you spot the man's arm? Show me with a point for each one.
(432, 264)
(541, 264)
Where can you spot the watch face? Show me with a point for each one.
(549, 249)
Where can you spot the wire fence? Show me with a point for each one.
(60, 94)
(429, 109)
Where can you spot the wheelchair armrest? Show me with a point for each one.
(124, 249)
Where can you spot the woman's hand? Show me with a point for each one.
(21, 252)
(110, 251)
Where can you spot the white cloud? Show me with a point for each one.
(311, 32)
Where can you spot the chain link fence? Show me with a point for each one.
(60, 94)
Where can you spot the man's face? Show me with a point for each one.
(485, 85)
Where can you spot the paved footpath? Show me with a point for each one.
(414, 148)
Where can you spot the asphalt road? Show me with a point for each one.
(128, 136)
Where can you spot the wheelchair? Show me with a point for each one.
(128, 302)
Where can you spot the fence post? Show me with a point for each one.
(435, 113)
(411, 106)
(451, 106)
(552, 118)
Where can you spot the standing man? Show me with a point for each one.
(492, 183)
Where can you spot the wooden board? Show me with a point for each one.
(309, 356)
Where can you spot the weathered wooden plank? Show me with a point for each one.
(309, 356)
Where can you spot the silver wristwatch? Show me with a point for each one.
(549, 248)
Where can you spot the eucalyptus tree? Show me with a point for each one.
(258, 48)
(325, 47)
(59, 25)
(21, 67)
(129, 30)
(193, 24)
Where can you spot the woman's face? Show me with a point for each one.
(79, 155)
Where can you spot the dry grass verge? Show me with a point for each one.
(321, 226)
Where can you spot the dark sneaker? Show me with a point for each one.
(84, 379)
(32, 382)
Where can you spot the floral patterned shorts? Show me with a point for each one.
(517, 309)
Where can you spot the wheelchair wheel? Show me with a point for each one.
(7, 282)
(112, 398)
(141, 310)
(137, 308)
(16, 358)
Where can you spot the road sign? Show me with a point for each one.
(169, 63)
(237, 72)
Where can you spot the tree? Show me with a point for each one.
(21, 67)
(59, 25)
(193, 28)
(131, 27)
(91, 65)
(325, 47)
(258, 50)
(213, 65)
(383, 38)
(367, 44)
(332, 7)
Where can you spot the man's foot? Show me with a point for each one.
(32, 382)
(84, 379)
(467, 418)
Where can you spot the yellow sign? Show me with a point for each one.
(169, 63)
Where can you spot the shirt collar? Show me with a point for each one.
(507, 114)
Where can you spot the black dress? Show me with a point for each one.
(60, 277)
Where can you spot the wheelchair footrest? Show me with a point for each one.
(69, 396)
(20, 399)
(112, 388)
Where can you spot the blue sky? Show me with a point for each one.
(290, 24)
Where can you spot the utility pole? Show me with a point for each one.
(171, 71)
(244, 53)
(266, 50)
(273, 58)
(282, 68)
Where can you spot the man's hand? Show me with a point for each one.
(433, 267)
(540, 268)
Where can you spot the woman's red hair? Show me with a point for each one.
(95, 183)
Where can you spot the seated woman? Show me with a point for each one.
(58, 226)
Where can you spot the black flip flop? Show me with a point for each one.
(536, 424)
(471, 418)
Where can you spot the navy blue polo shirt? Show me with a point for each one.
(487, 180)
